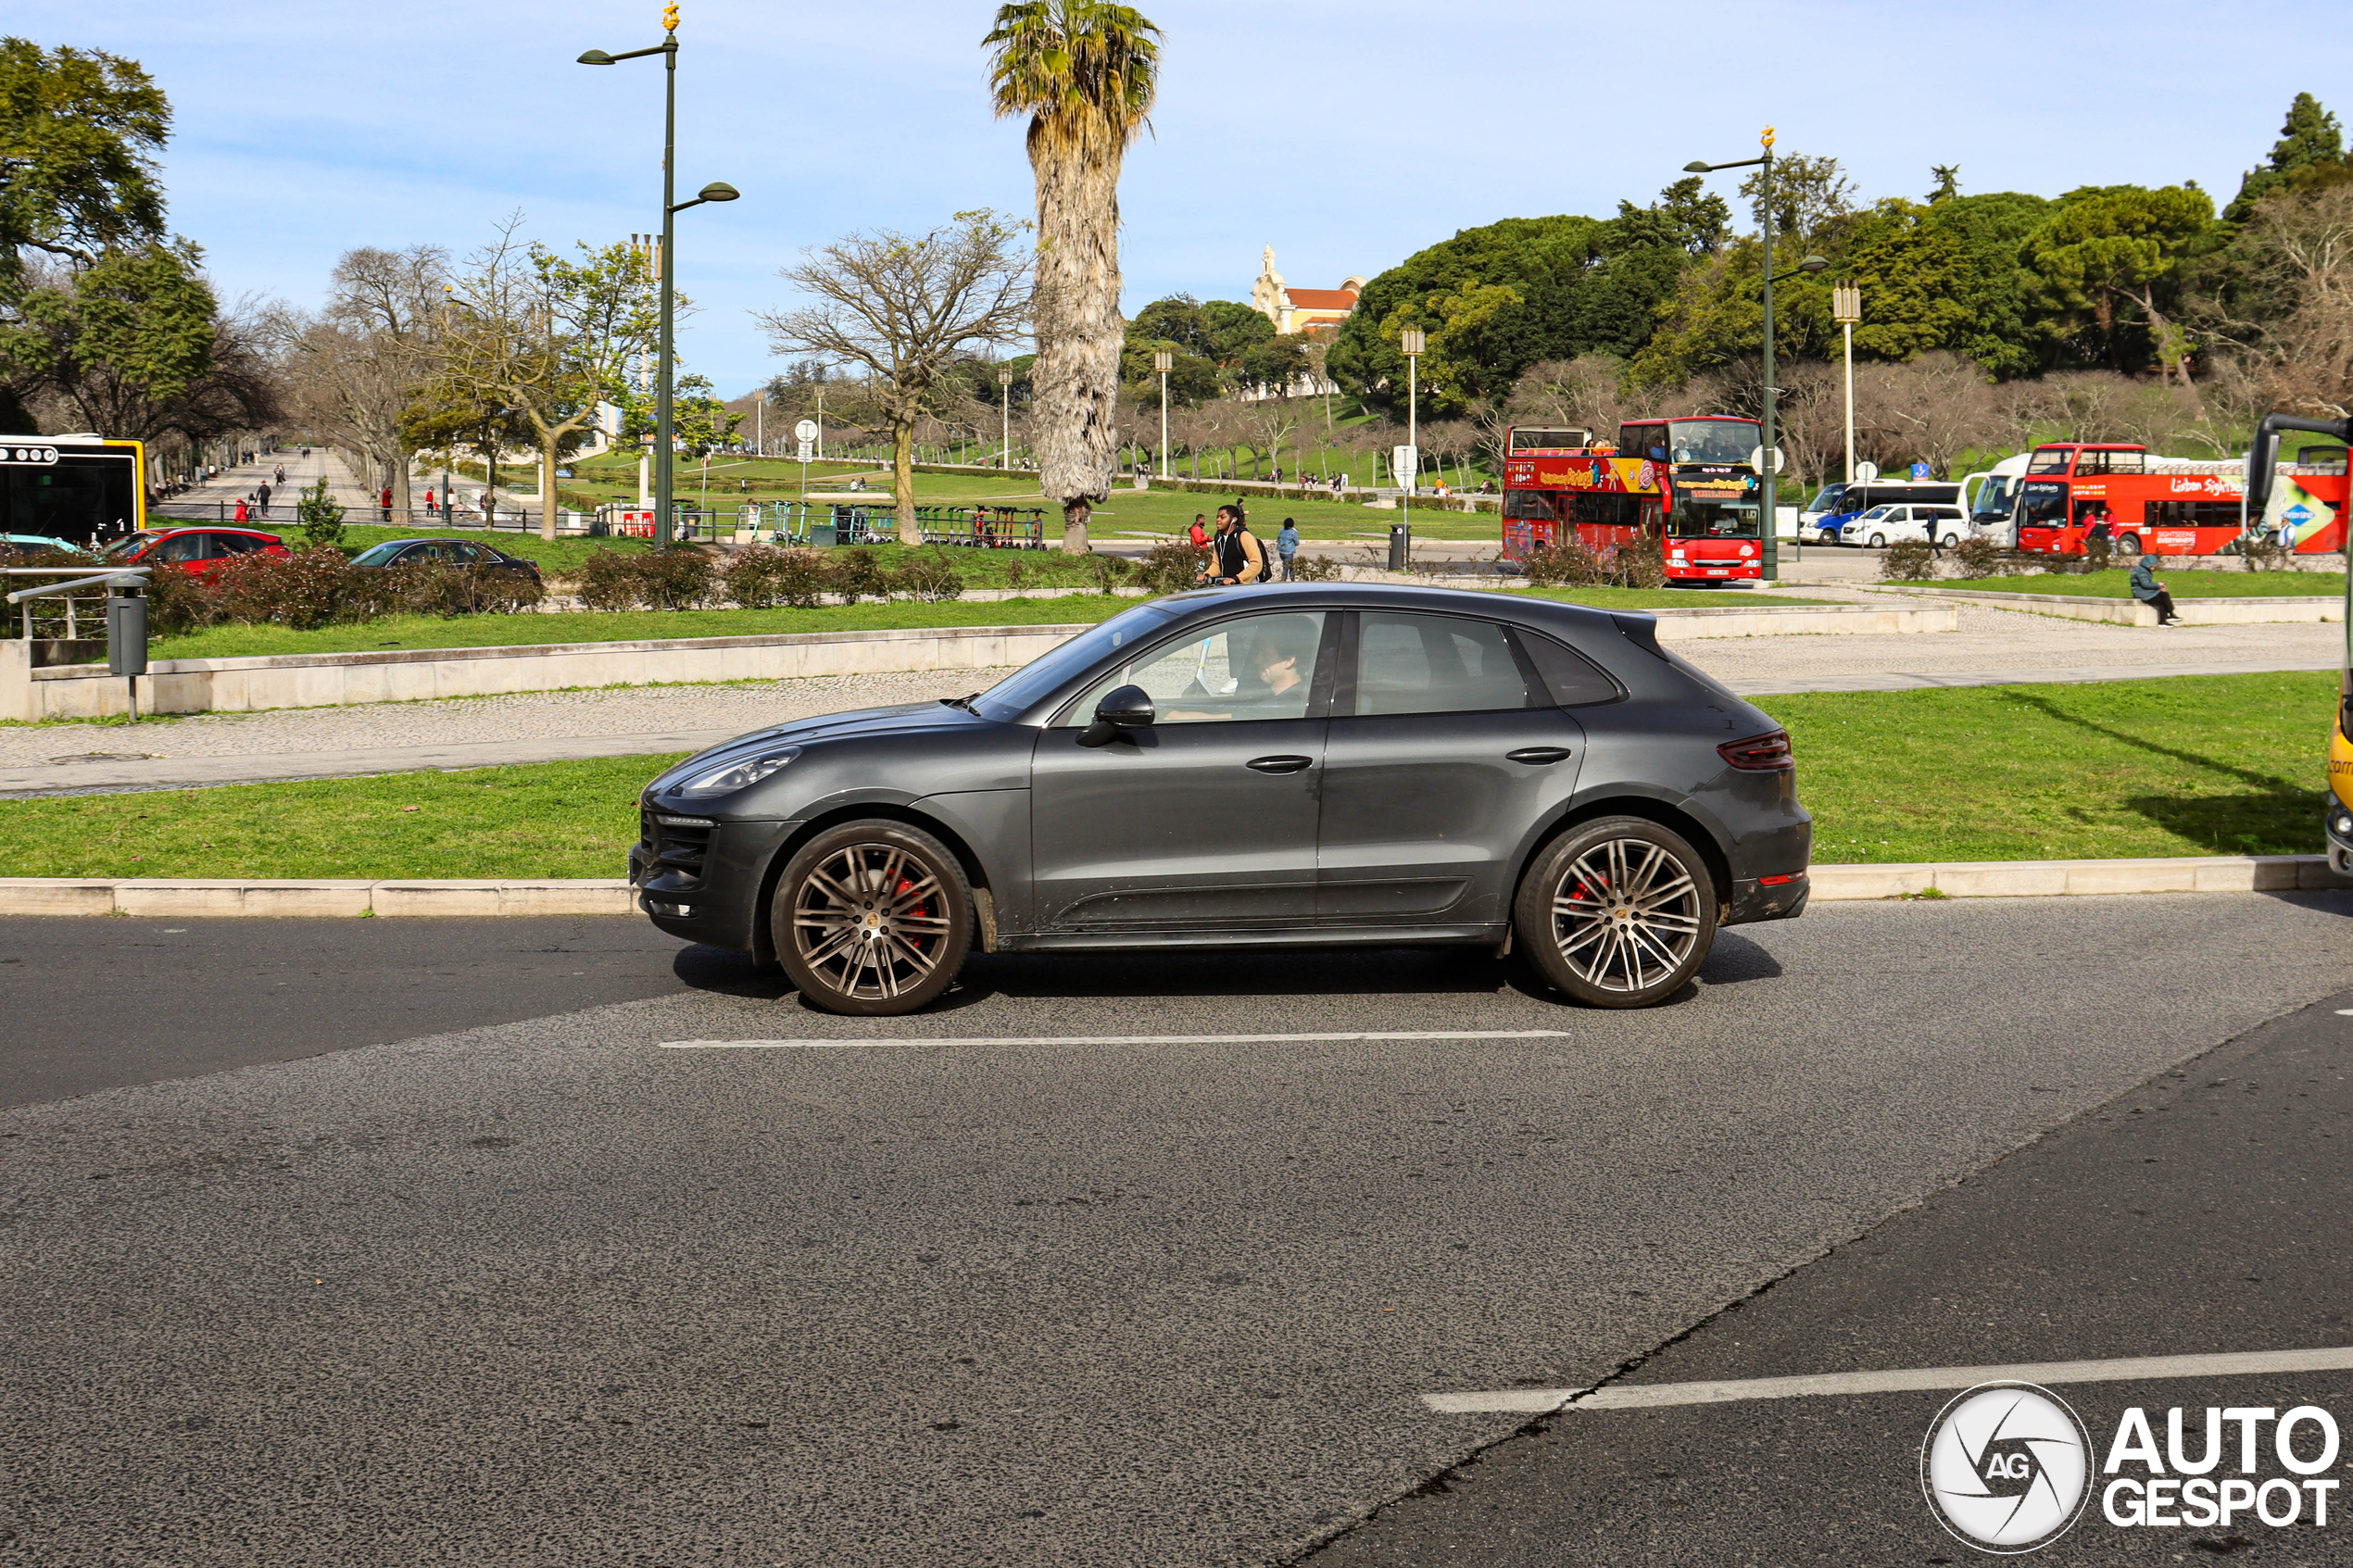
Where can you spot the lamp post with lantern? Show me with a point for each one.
(1005, 413)
(1412, 342)
(1768, 462)
(717, 191)
(1164, 360)
(1846, 309)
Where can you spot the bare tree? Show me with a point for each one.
(1928, 408)
(907, 307)
(355, 368)
(1269, 423)
(1580, 393)
(548, 339)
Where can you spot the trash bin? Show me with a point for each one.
(1400, 545)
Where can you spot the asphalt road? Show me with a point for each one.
(542, 1291)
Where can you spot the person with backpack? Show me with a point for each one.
(1236, 556)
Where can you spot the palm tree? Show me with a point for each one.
(1085, 72)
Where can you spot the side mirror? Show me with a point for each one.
(1123, 709)
(2262, 454)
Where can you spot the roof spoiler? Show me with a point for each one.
(1642, 631)
(2262, 458)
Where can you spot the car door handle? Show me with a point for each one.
(1537, 755)
(1280, 764)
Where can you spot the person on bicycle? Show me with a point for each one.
(1236, 556)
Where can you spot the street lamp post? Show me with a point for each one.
(1413, 342)
(1005, 396)
(1163, 362)
(717, 191)
(1769, 515)
(1846, 309)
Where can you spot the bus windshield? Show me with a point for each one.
(1828, 502)
(1714, 520)
(2043, 503)
(1711, 441)
(1996, 497)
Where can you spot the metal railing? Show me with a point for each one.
(64, 616)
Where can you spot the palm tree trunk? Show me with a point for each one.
(1078, 326)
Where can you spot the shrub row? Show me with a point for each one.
(320, 587)
(1573, 565)
(758, 577)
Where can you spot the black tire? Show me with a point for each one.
(1878, 541)
(1952, 541)
(1609, 954)
(2129, 544)
(872, 918)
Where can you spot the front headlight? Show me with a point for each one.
(739, 774)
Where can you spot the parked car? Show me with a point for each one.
(455, 552)
(198, 551)
(1891, 525)
(18, 546)
(1287, 766)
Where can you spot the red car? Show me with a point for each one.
(199, 551)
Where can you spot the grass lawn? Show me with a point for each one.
(513, 631)
(2194, 765)
(2180, 585)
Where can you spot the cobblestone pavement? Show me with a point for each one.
(1988, 639)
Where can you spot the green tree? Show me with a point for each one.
(1948, 181)
(1996, 289)
(2108, 251)
(1916, 278)
(1085, 72)
(2309, 136)
(321, 518)
(80, 134)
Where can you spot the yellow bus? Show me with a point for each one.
(79, 489)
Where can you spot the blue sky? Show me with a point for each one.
(1347, 136)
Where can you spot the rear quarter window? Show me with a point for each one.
(1573, 680)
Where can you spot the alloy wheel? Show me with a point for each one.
(870, 920)
(1625, 915)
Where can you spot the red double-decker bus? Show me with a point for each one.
(1685, 487)
(2171, 505)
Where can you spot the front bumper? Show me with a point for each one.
(705, 879)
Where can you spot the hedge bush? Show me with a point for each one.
(321, 587)
(1576, 565)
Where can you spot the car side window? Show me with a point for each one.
(1573, 680)
(235, 544)
(471, 555)
(1255, 667)
(1434, 664)
(186, 547)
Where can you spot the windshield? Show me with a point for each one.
(1827, 502)
(2042, 504)
(1996, 497)
(1711, 441)
(122, 549)
(1714, 520)
(1041, 678)
(380, 554)
(2050, 459)
(1880, 512)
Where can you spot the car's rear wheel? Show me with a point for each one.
(872, 918)
(1619, 912)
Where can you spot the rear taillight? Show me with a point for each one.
(1767, 753)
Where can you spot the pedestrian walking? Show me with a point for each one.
(1287, 546)
(2149, 590)
(386, 500)
(428, 497)
(264, 494)
(241, 510)
(1236, 556)
(1200, 531)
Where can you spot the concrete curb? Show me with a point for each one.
(2049, 879)
(175, 899)
(181, 899)
(2284, 609)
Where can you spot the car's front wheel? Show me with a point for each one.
(1619, 912)
(1878, 541)
(872, 918)
(2129, 544)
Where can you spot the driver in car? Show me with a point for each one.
(1272, 663)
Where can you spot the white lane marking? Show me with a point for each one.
(2344, 1012)
(1622, 1396)
(1121, 1039)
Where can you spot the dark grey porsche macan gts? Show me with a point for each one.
(1296, 766)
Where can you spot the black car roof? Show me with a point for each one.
(1520, 608)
